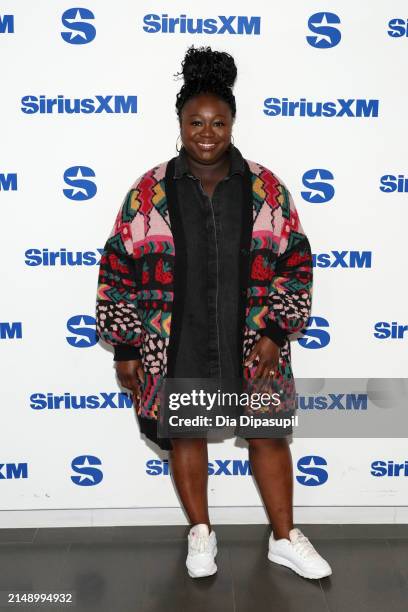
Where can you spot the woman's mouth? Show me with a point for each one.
(206, 146)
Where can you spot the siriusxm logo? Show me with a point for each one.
(44, 257)
(99, 104)
(6, 24)
(10, 330)
(343, 401)
(218, 467)
(326, 36)
(303, 108)
(389, 468)
(9, 471)
(8, 182)
(318, 189)
(397, 28)
(313, 474)
(76, 20)
(89, 475)
(314, 337)
(157, 467)
(81, 188)
(393, 331)
(69, 401)
(84, 329)
(392, 182)
(342, 259)
(241, 24)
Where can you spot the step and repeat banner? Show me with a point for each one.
(87, 106)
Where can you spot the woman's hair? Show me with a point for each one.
(207, 71)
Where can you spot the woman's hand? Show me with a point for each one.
(130, 374)
(268, 354)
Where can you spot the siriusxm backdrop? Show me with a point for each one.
(87, 106)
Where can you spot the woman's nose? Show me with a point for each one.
(207, 130)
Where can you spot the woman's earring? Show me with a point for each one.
(177, 149)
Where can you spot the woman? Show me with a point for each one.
(205, 274)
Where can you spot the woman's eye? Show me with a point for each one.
(216, 123)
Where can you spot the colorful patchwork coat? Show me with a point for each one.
(142, 277)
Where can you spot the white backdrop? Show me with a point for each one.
(319, 51)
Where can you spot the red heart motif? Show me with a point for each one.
(259, 270)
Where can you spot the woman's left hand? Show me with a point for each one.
(268, 354)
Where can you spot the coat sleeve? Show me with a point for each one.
(290, 291)
(117, 320)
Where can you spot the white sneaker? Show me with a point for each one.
(298, 554)
(202, 549)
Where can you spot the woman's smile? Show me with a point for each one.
(206, 146)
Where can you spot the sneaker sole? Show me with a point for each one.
(292, 566)
(202, 573)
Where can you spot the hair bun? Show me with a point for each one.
(203, 65)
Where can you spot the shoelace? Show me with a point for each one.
(303, 546)
(199, 543)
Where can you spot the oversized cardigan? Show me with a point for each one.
(142, 276)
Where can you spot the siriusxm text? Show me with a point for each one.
(6, 24)
(397, 27)
(71, 401)
(342, 259)
(10, 330)
(304, 108)
(63, 257)
(218, 467)
(386, 330)
(221, 24)
(332, 401)
(394, 182)
(10, 471)
(61, 105)
(8, 182)
(389, 468)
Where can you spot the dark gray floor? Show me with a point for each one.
(138, 569)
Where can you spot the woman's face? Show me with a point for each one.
(205, 128)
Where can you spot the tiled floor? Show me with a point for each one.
(142, 569)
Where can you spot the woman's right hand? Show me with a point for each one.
(130, 374)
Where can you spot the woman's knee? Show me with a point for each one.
(266, 443)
